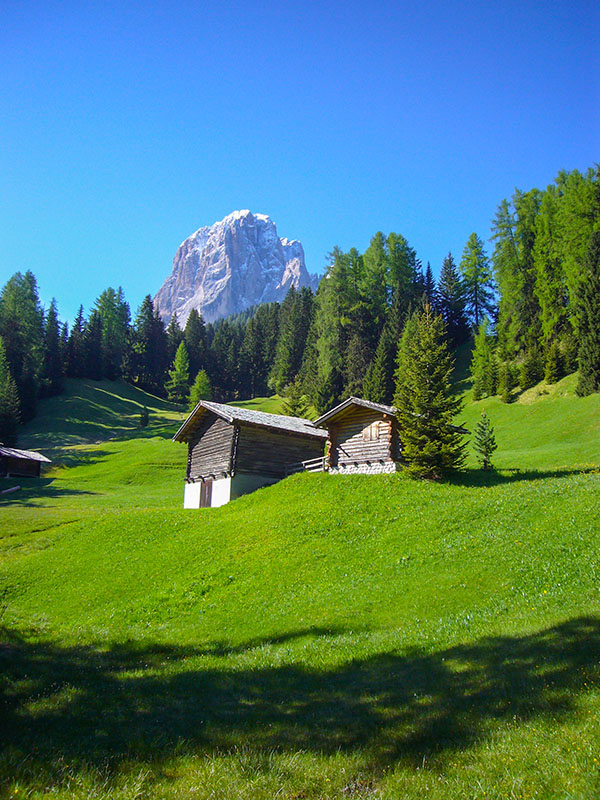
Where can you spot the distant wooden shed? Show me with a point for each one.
(232, 451)
(21, 463)
(362, 437)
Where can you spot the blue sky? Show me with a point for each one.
(127, 126)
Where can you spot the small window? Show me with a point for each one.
(371, 432)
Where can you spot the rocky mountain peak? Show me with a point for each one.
(224, 268)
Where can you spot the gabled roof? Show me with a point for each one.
(28, 455)
(354, 401)
(245, 416)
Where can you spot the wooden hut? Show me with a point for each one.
(21, 463)
(232, 451)
(362, 437)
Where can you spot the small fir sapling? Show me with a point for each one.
(484, 441)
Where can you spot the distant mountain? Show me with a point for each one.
(226, 267)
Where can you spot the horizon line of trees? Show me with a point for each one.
(530, 308)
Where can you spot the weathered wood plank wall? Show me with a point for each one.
(209, 453)
(352, 442)
(267, 452)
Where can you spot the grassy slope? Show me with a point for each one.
(326, 637)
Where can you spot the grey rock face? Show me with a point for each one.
(226, 267)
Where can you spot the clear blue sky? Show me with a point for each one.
(126, 126)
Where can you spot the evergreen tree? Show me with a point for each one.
(484, 441)
(378, 384)
(429, 289)
(115, 316)
(22, 330)
(178, 385)
(194, 335)
(589, 321)
(483, 363)
(175, 337)
(147, 361)
(52, 376)
(10, 412)
(356, 363)
(296, 404)
(201, 390)
(92, 347)
(425, 402)
(451, 302)
(506, 382)
(531, 369)
(554, 368)
(477, 280)
(75, 367)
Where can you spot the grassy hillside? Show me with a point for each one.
(327, 637)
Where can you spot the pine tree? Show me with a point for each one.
(296, 404)
(10, 412)
(484, 370)
(554, 367)
(92, 347)
(484, 441)
(477, 280)
(174, 337)
(115, 315)
(451, 302)
(195, 341)
(506, 382)
(425, 401)
(52, 375)
(429, 287)
(589, 321)
(201, 390)
(178, 385)
(147, 359)
(531, 369)
(76, 347)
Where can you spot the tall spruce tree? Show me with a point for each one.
(194, 335)
(477, 280)
(589, 321)
(115, 315)
(92, 347)
(75, 367)
(174, 337)
(484, 369)
(425, 400)
(10, 411)
(53, 373)
(178, 384)
(452, 303)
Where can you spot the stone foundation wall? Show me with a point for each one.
(365, 469)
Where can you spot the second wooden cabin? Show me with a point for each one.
(362, 437)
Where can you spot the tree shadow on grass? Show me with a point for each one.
(102, 707)
(492, 477)
(32, 490)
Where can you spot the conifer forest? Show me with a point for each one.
(529, 301)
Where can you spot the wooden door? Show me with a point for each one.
(206, 494)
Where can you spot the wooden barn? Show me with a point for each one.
(362, 437)
(232, 451)
(21, 463)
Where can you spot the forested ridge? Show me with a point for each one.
(532, 306)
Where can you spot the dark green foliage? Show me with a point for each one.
(178, 385)
(424, 399)
(76, 347)
(148, 349)
(296, 403)
(116, 317)
(194, 336)
(52, 378)
(144, 417)
(22, 330)
(10, 413)
(175, 337)
(429, 289)
(295, 316)
(451, 302)
(378, 385)
(92, 347)
(506, 382)
(484, 367)
(589, 321)
(554, 364)
(531, 369)
(477, 280)
(201, 390)
(484, 441)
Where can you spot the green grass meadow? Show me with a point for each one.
(328, 637)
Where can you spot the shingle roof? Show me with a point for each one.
(355, 401)
(245, 415)
(29, 455)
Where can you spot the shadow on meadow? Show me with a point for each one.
(34, 489)
(88, 706)
(480, 477)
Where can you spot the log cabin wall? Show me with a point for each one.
(268, 452)
(20, 467)
(209, 452)
(362, 436)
